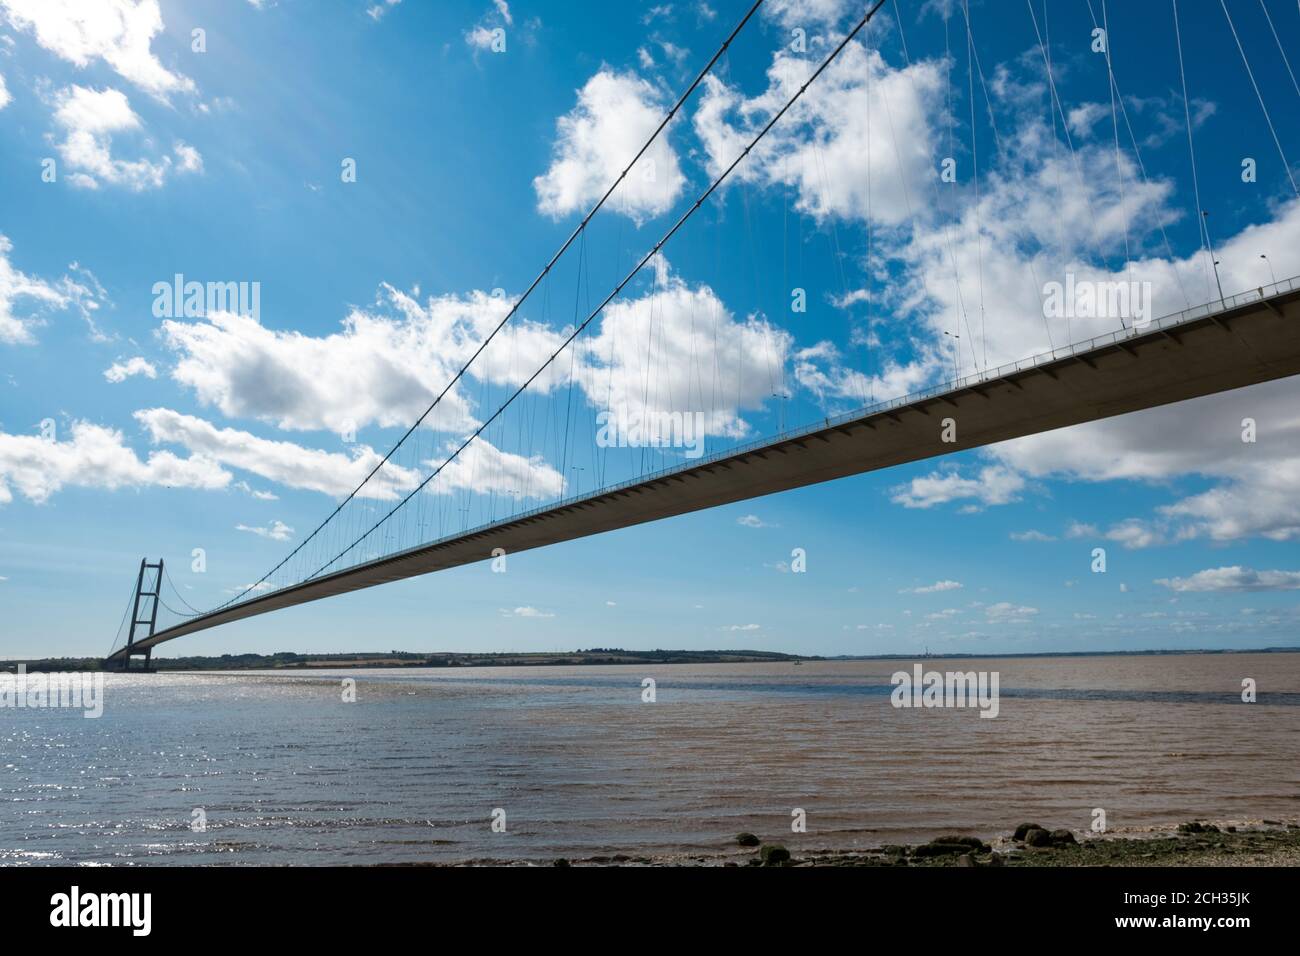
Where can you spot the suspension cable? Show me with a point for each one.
(1191, 148)
(1258, 95)
(1280, 48)
(177, 592)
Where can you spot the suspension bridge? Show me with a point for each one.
(397, 522)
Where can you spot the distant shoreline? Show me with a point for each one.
(397, 660)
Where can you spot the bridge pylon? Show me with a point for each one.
(145, 601)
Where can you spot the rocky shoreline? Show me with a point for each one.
(1195, 843)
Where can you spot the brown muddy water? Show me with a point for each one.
(284, 771)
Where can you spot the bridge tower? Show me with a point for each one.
(146, 601)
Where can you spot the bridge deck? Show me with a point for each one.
(1247, 340)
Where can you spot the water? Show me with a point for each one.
(287, 773)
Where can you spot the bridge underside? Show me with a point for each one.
(1252, 343)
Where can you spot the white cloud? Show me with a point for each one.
(119, 32)
(1235, 578)
(752, 521)
(252, 492)
(276, 531)
(95, 457)
(121, 371)
(486, 469)
(17, 326)
(1256, 481)
(480, 37)
(283, 462)
(5, 97)
(378, 369)
(1006, 613)
(994, 485)
(935, 588)
(188, 159)
(662, 11)
(376, 12)
(250, 588)
(89, 119)
(385, 367)
(695, 339)
(614, 116)
(481, 468)
(855, 145)
(819, 369)
(1031, 535)
(808, 13)
(525, 611)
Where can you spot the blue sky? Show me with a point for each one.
(126, 433)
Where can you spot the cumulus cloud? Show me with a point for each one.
(993, 485)
(121, 371)
(285, 463)
(1004, 612)
(808, 13)
(1235, 578)
(38, 296)
(935, 588)
(252, 492)
(676, 338)
(95, 457)
(89, 119)
(487, 469)
(377, 369)
(481, 468)
(977, 265)
(614, 116)
(118, 32)
(822, 372)
(386, 365)
(5, 97)
(855, 146)
(276, 531)
(525, 611)
(1254, 496)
